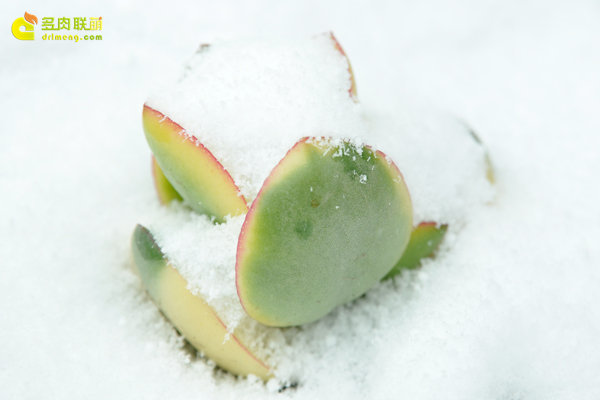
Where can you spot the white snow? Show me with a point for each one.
(249, 101)
(509, 309)
(442, 163)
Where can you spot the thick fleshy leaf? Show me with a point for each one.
(338, 46)
(424, 241)
(191, 168)
(165, 192)
(329, 222)
(190, 314)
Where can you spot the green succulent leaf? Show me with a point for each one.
(330, 221)
(424, 242)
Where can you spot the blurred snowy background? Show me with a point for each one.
(512, 313)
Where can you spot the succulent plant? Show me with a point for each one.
(333, 218)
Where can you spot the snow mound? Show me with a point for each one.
(445, 165)
(249, 101)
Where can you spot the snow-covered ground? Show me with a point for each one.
(511, 311)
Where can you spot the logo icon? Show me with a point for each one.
(22, 28)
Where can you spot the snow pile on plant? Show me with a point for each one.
(249, 101)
